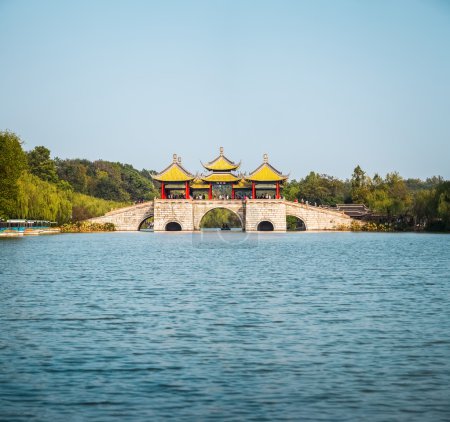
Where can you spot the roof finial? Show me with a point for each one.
(221, 151)
(174, 158)
(179, 160)
(266, 158)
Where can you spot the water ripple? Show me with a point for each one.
(141, 326)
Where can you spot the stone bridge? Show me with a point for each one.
(128, 218)
(187, 214)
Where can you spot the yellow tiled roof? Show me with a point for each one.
(220, 177)
(198, 183)
(242, 184)
(266, 173)
(221, 163)
(174, 173)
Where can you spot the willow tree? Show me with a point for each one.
(38, 199)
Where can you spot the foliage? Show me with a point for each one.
(41, 165)
(74, 172)
(402, 204)
(389, 196)
(42, 200)
(13, 162)
(87, 227)
(147, 224)
(442, 196)
(107, 180)
(358, 226)
(84, 206)
(32, 185)
(47, 201)
(294, 223)
(416, 185)
(321, 189)
(359, 185)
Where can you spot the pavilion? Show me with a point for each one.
(178, 183)
(221, 173)
(174, 178)
(266, 178)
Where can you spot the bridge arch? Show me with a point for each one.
(295, 223)
(147, 223)
(173, 226)
(220, 207)
(201, 208)
(265, 226)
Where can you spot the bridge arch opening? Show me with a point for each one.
(265, 226)
(173, 226)
(221, 219)
(147, 224)
(295, 224)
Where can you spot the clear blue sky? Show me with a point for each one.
(319, 85)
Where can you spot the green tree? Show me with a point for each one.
(399, 195)
(291, 190)
(38, 199)
(84, 206)
(41, 165)
(322, 189)
(359, 185)
(74, 172)
(13, 162)
(443, 204)
(136, 183)
(107, 180)
(107, 186)
(424, 207)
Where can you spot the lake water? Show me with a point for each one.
(225, 326)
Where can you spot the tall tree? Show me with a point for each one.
(13, 162)
(41, 165)
(443, 209)
(359, 183)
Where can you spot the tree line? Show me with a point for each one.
(33, 185)
(405, 203)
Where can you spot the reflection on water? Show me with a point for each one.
(206, 326)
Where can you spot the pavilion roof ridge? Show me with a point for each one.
(221, 163)
(265, 172)
(174, 172)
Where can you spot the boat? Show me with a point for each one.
(11, 233)
(22, 227)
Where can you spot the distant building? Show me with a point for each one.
(357, 211)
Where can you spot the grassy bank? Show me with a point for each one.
(87, 227)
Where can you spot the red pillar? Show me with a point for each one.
(210, 191)
(163, 191)
(187, 190)
(253, 190)
(232, 192)
(278, 191)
